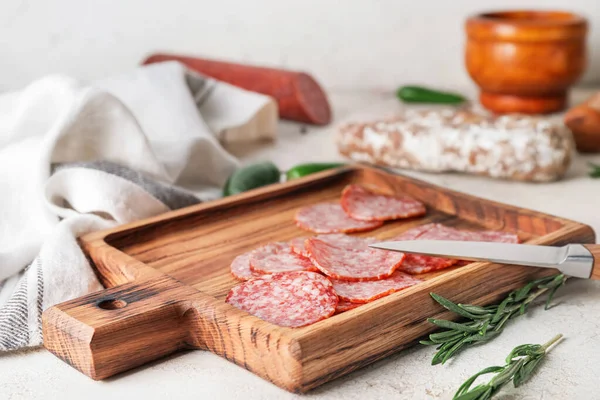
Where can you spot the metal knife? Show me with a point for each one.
(577, 260)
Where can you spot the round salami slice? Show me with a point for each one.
(344, 305)
(493, 236)
(331, 218)
(291, 299)
(364, 292)
(366, 205)
(278, 257)
(336, 239)
(345, 263)
(240, 268)
(419, 264)
(297, 246)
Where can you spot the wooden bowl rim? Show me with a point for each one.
(543, 18)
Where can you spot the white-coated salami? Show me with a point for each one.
(364, 204)
(278, 257)
(364, 292)
(291, 299)
(331, 218)
(352, 264)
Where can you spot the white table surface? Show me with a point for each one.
(570, 371)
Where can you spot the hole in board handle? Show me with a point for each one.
(111, 304)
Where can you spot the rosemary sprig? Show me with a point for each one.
(485, 323)
(520, 366)
(595, 172)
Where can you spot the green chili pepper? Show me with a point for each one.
(251, 177)
(416, 94)
(301, 170)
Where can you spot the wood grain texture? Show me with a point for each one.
(172, 271)
(595, 250)
(525, 61)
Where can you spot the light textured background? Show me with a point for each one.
(352, 44)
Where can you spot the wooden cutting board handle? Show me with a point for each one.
(595, 250)
(117, 329)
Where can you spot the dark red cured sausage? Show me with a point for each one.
(291, 299)
(278, 257)
(366, 205)
(364, 292)
(331, 218)
(358, 264)
(299, 96)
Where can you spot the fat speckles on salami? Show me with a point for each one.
(352, 264)
(364, 292)
(278, 257)
(364, 204)
(291, 299)
(331, 218)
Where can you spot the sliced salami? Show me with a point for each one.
(493, 236)
(344, 305)
(364, 204)
(336, 239)
(364, 292)
(297, 245)
(331, 218)
(419, 264)
(240, 268)
(291, 299)
(352, 264)
(278, 257)
(486, 236)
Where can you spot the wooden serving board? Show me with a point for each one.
(168, 277)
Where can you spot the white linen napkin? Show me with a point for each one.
(77, 158)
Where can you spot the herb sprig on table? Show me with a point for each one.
(485, 323)
(520, 366)
(595, 171)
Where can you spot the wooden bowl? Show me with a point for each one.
(525, 61)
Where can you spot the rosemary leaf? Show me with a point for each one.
(520, 365)
(482, 324)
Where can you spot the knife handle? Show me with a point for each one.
(595, 250)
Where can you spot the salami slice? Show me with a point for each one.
(364, 292)
(344, 305)
(291, 299)
(488, 236)
(240, 268)
(336, 239)
(331, 218)
(297, 246)
(419, 264)
(352, 264)
(278, 257)
(366, 205)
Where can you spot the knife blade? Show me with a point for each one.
(573, 259)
